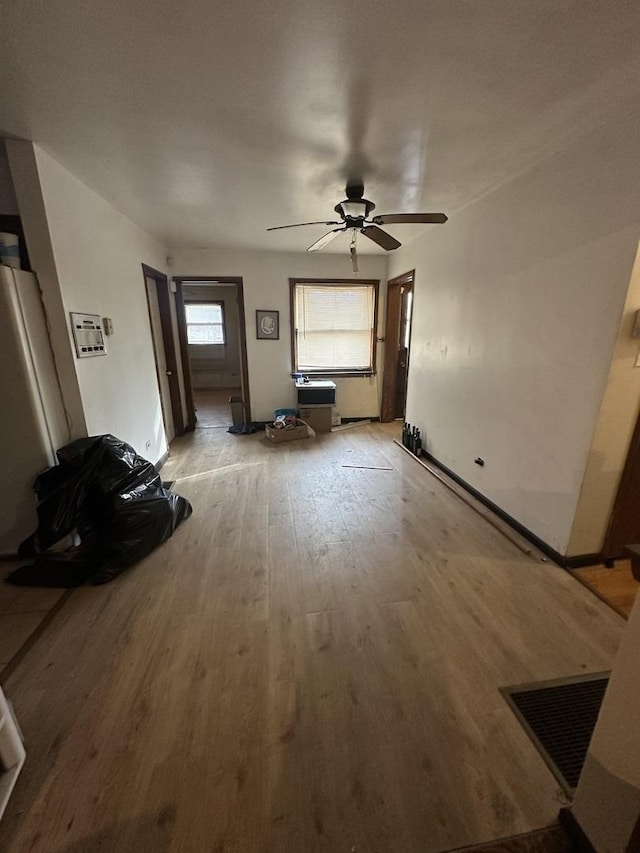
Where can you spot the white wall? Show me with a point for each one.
(98, 254)
(517, 304)
(266, 286)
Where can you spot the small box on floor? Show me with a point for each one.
(290, 434)
(318, 417)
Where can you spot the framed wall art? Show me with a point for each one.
(268, 325)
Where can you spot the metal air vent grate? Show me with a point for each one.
(560, 716)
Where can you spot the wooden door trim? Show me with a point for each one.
(168, 342)
(184, 357)
(182, 331)
(626, 488)
(391, 340)
(349, 282)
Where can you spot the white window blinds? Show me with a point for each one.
(334, 327)
(205, 323)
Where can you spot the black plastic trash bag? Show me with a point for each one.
(112, 500)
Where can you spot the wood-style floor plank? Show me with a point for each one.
(310, 665)
(617, 585)
(213, 410)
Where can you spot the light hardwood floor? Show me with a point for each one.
(616, 585)
(23, 610)
(310, 665)
(212, 407)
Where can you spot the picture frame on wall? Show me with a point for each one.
(268, 325)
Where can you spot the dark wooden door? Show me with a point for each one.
(401, 382)
(396, 348)
(170, 362)
(624, 524)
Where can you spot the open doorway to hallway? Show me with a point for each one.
(213, 337)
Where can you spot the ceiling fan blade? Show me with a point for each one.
(325, 239)
(381, 237)
(300, 224)
(398, 218)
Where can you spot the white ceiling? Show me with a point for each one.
(206, 122)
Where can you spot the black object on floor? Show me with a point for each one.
(559, 716)
(111, 501)
(244, 429)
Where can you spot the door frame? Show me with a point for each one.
(168, 343)
(181, 280)
(391, 341)
(612, 548)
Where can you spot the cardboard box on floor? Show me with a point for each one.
(279, 435)
(318, 417)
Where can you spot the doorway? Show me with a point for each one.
(160, 321)
(397, 347)
(212, 329)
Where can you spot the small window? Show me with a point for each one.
(205, 323)
(333, 326)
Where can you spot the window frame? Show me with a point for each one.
(337, 282)
(223, 324)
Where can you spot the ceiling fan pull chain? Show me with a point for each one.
(354, 256)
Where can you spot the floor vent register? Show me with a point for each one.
(559, 716)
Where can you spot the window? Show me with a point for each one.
(205, 323)
(333, 326)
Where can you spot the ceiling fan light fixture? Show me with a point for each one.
(354, 213)
(355, 208)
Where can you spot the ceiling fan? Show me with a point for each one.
(354, 212)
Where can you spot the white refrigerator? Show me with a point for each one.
(31, 407)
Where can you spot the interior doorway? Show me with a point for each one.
(397, 347)
(160, 321)
(213, 342)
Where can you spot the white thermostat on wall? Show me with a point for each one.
(88, 335)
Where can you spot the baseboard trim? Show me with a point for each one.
(576, 562)
(504, 516)
(162, 460)
(575, 832)
(582, 560)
